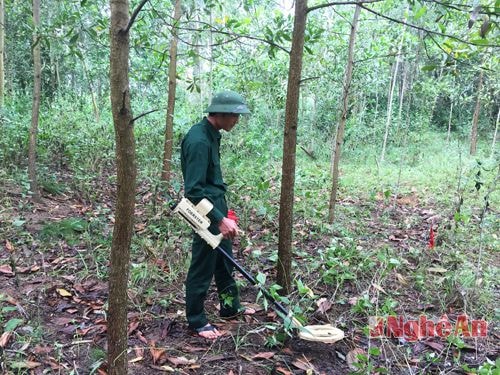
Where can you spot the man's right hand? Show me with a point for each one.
(228, 228)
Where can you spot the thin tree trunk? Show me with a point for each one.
(401, 99)
(2, 45)
(35, 112)
(343, 117)
(172, 84)
(495, 135)
(448, 136)
(475, 118)
(91, 90)
(126, 182)
(391, 94)
(290, 148)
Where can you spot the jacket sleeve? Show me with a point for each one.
(196, 157)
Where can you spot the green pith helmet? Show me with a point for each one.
(228, 102)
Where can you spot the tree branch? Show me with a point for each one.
(310, 9)
(231, 34)
(307, 79)
(426, 30)
(143, 114)
(459, 7)
(134, 16)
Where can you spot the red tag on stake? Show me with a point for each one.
(431, 238)
(232, 215)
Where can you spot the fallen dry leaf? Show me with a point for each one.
(283, 371)
(9, 246)
(264, 355)
(156, 353)
(163, 368)
(352, 358)
(6, 270)
(141, 337)
(4, 339)
(437, 269)
(132, 326)
(139, 352)
(438, 346)
(304, 364)
(379, 288)
(323, 305)
(42, 349)
(180, 361)
(401, 279)
(193, 349)
(63, 292)
(136, 359)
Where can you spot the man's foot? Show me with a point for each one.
(248, 311)
(208, 332)
(243, 311)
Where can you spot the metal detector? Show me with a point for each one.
(196, 216)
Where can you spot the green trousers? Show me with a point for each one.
(206, 264)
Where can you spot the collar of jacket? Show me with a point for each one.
(214, 133)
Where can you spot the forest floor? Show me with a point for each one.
(53, 292)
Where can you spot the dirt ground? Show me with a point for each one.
(53, 319)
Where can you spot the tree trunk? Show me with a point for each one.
(289, 148)
(35, 112)
(402, 93)
(172, 84)
(2, 45)
(495, 135)
(391, 94)
(343, 117)
(91, 90)
(475, 118)
(126, 181)
(448, 136)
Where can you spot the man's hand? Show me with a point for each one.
(228, 228)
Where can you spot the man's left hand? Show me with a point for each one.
(228, 228)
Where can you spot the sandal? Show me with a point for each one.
(208, 328)
(243, 311)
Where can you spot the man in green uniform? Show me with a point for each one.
(200, 161)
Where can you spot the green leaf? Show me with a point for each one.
(18, 223)
(374, 351)
(74, 39)
(420, 12)
(429, 68)
(261, 278)
(12, 324)
(481, 42)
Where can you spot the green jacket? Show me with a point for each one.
(200, 163)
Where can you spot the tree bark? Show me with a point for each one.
(126, 183)
(343, 117)
(448, 136)
(495, 135)
(172, 84)
(475, 118)
(290, 148)
(2, 46)
(35, 110)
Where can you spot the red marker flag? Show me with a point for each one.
(232, 215)
(431, 238)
